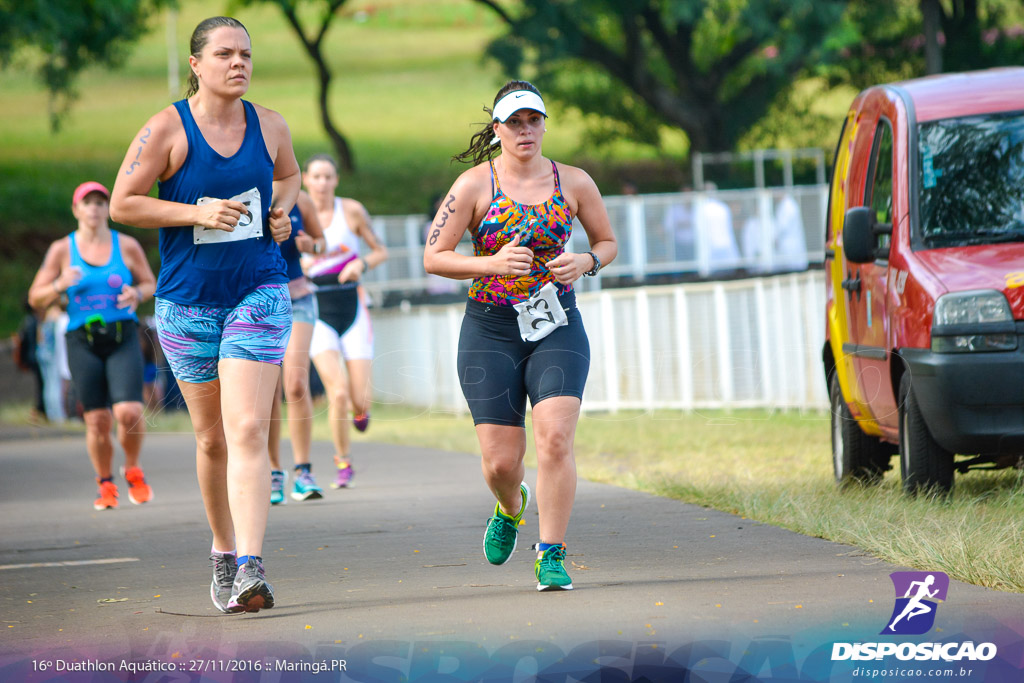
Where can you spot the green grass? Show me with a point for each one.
(773, 467)
(776, 468)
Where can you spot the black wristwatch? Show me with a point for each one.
(597, 265)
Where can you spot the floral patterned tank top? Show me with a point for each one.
(545, 229)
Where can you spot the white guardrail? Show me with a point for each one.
(749, 343)
(661, 237)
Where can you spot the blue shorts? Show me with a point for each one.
(305, 310)
(195, 338)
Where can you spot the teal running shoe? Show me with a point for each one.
(550, 570)
(305, 487)
(277, 480)
(502, 531)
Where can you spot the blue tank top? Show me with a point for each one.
(219, 273)
(96, 293)
(289, 251)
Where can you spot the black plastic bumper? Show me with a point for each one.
(973, 403)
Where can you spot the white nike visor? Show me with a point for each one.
(516, 100)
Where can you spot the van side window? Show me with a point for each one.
(880, 199)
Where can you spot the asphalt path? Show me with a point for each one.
(393, 567)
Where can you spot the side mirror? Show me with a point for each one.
(860, 236)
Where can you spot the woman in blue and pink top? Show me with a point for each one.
(227, 179)
(522, 337)
(105, 276)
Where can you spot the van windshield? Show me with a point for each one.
(972, 180)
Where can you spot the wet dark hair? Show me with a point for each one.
(481, 148)
(200, 36)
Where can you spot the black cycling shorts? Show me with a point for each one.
(106, 365)
(338, 303)
(498, 371)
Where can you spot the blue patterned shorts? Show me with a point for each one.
(195, 338)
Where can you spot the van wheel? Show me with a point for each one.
(924, 464)
(856, 457)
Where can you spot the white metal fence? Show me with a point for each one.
(744, 343)
(696, 234)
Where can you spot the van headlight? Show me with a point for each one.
(978, 320)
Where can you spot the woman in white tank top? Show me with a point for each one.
(335, 351)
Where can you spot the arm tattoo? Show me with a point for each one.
(142, 140)
(444, 219)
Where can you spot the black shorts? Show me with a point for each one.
(107, 368)
(338, 303)
(498, 371)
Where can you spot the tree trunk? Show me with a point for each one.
(932, 12)
(341, 147)
(340, 144)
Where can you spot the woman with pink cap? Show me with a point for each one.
(105, 276)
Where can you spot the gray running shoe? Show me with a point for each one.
(224, 570)
(251, 592)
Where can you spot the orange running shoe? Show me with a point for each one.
(139, 491)
(108, 496)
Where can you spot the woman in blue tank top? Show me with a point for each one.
(105, 276)
(307, 238)
(227, 179)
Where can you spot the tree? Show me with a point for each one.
(717, 68)
(711, 69)
(312, 42)
(910, 38)
(71, 35)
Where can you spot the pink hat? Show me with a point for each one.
(87, 187)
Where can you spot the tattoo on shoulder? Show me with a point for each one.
(143, 139)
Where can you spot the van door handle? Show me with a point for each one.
(852, 284)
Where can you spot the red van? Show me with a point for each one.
(925, 280)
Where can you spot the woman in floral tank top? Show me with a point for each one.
(522, 336)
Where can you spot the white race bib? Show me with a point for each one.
(540, 314)
(249, 225)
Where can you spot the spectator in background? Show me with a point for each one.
(48, 353)
(678, 225)
(718, 253)
(26, 357)
(152, 385)
(779, 247)
(790, 240)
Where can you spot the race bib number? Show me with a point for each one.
(540, 314)
(250, 224)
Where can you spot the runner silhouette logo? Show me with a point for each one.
(917, 598)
